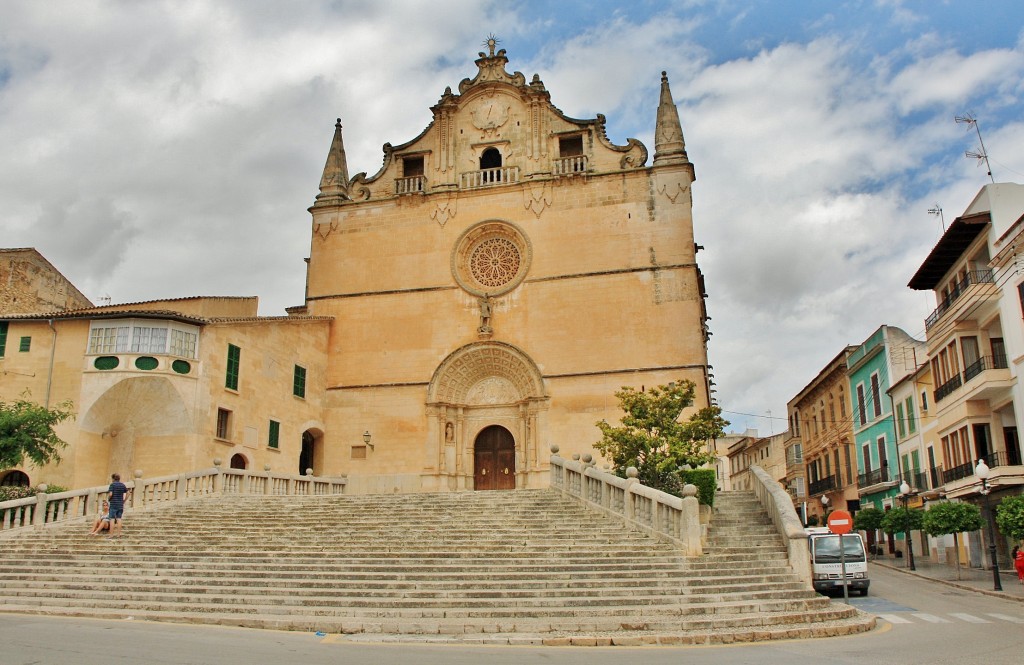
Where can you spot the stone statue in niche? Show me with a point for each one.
(485, 314)
(449, 433)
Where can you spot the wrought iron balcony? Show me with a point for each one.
(819, 486)
(973, 277)
(873, 477)
(993, 460)
(487, 177)
(947, 388)
(984, 363)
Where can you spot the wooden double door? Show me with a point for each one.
(494, 460)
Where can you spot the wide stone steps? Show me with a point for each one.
(508, 563)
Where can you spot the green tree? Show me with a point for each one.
(1010, 517)
(952, 517)
(27, 432)
(900, 520)
(652, 438)
(870, 520)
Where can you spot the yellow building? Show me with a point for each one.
(479, 298)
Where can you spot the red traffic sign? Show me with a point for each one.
(840, 521)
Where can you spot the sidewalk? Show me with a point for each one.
(973, 579)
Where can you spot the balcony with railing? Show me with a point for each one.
(826, 484)
(947, 388)
(959, 289)
(575, 165)
(873, 477)
(410, 185)
(917, 480)
(487, 177)
(984, 363)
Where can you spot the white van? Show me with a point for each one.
(826, 566)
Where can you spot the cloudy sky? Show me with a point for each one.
(168, 149)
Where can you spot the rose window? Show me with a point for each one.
(491, 258)
(494, 262)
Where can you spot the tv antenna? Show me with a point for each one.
(937, 211)
(982, 156)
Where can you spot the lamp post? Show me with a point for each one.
(824, 508)
(905, 496)
(982, 471)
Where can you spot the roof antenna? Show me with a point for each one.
(937, 210)
(968, 119)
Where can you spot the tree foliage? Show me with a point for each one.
(900, 520)
(951, 517)
(652, 438)
(27, 432)
(868, 519)
(1010, 517)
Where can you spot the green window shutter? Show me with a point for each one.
(234, 357)
(3, 337)
(299, 382)
(26, 344)
(274, 434)
(899, 421)
(910, 415)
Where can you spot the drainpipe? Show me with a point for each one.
(53, 351)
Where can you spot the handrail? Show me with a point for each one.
(780, 508)
(645, 509)
(44, 509)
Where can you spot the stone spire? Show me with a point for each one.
(669, 147)
(334, 183)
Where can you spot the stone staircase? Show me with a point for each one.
(525, 566)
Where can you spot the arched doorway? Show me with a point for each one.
(494, 459)
(490, 159)
(238, 461)
(306, 456)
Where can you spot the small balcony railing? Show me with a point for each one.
(982, 364)
(569, 165)
(947, 388)
(410, 185)
(823, 485)
(973, 277)
(918, 480)
(873, 477)
(487, 177)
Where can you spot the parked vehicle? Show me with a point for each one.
(826, 561)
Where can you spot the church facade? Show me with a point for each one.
(478, 299)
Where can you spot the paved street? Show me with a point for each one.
(921, 621)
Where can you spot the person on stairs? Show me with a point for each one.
(102, 521)
(116, 495)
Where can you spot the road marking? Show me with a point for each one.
(931, 618)
(970, 618)
(893, 618)
(1007, 617)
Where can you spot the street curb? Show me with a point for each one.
(953, 583)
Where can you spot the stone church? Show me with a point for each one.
(478, 299)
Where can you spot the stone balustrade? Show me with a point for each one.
(44, 508)
(780, 508)
(645, 509)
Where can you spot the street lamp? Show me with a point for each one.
(905, 495)
(824, 508)
(982, 471)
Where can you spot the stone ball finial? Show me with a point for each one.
(138, 473)
(309, 472)
(631, 472)
(689, 490)
(576, 457)
(217, 461)
(554, 449)
(42, 487)
(588, 458)
(266, 467)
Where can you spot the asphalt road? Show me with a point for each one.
(921, 622)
